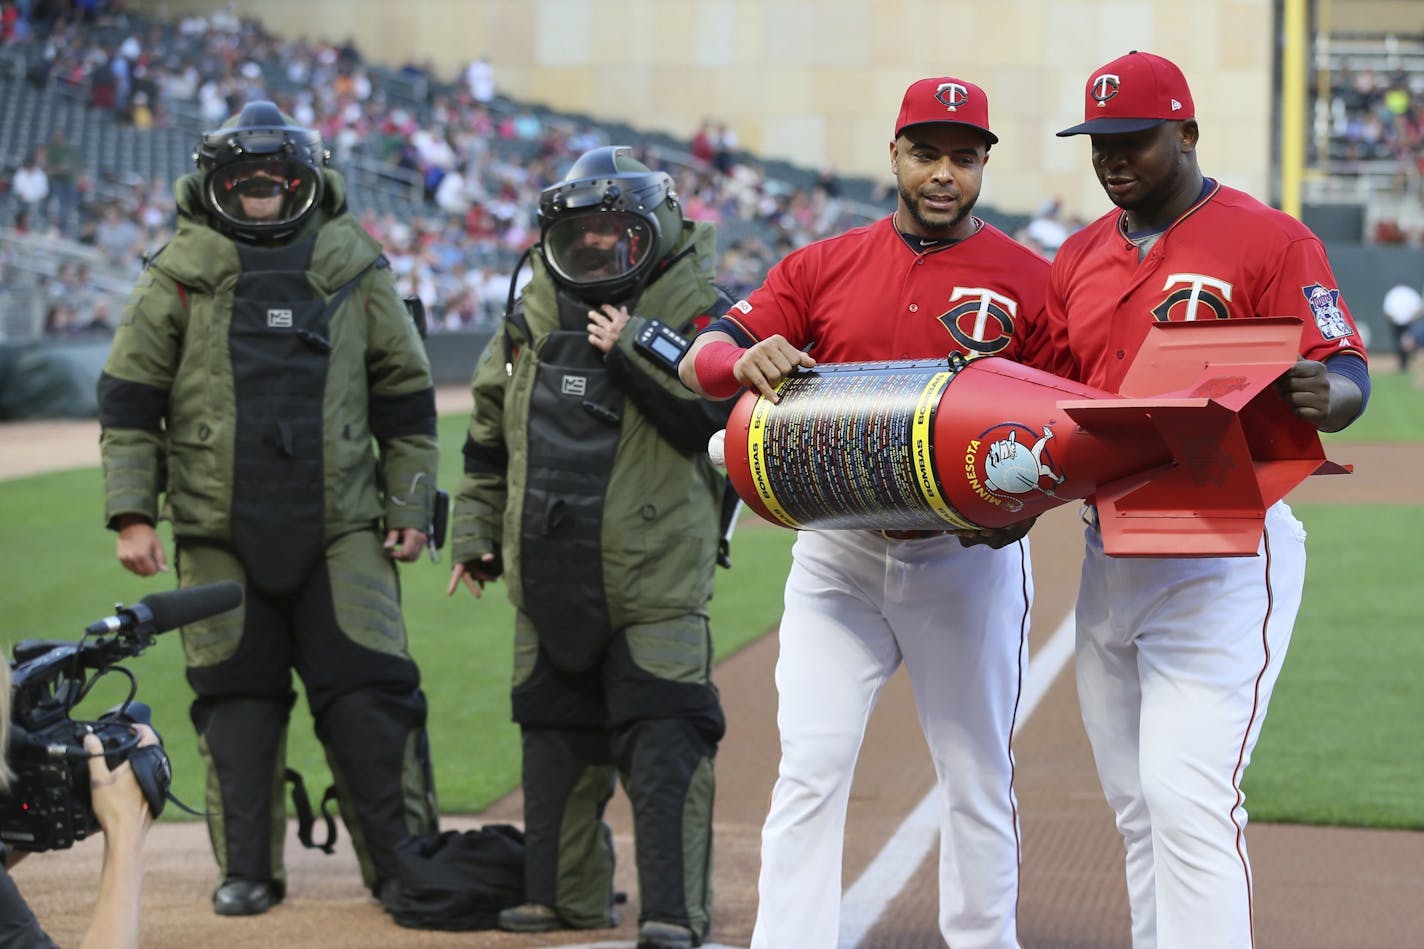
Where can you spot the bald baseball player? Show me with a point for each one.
(1177, 657)
(929, 280)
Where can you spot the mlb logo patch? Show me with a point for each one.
(1325, 307)
(279, 319)
(574, 385)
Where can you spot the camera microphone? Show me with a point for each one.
(159, 612)
(181, 607)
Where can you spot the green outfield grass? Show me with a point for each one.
(1341, 745)
(1395, 412)
(1344, 741)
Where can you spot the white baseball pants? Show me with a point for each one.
(857, 604)
(1176, 660)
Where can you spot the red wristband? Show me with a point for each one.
(713, 367)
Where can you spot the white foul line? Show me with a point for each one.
(903, 853)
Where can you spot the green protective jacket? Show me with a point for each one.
(166, 396)
(661, 500)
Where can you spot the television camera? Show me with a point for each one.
(47, 806)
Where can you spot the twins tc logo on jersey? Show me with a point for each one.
(1325, 307)
(982, 322)
(999, 465)
(952, 95)
(1196, 297)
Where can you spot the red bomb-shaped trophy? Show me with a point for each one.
(1184, 462)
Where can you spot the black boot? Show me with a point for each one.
(246, 897)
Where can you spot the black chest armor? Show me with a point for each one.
(575, 423)
(279, 341)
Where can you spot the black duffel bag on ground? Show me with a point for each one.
(455, 880)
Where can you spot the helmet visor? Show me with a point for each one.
(269, 193)
(599, 247)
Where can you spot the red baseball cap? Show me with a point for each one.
(945, 99)
(1132, 93)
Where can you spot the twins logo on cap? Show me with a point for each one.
(1134, 93)
(952, 94)
(1104, 88)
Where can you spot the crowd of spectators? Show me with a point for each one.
(475, 160)
(72, 308)
(1379, 116)
(1372, 121)
(478, 160)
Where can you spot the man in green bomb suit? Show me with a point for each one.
(588, 487)
(267, 382)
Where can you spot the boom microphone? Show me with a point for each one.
(181, 607)
(159, 612)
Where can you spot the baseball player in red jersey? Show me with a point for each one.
(1177, 657)
(927, 281)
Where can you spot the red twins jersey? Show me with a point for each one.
(866, 296)
(1228, 257)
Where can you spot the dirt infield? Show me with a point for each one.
(1318, 888)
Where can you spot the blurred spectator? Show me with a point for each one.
(724, 145)
(452, 195)
(61, 165)
(104, 84)
(1403, 306)
(14, 25)
(69, 285)
(31, 186)
(101, 318)
(156, 210)
(701, 145)
(118, 238)
(479, 79)
(79, 318)
(140, 114)
(1046, 229)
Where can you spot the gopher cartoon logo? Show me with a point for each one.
(1012, 467)
(1325, 307)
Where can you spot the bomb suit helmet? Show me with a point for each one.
(607, 226)
(261, 174)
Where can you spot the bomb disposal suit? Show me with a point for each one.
(587, 482)
(259, 355)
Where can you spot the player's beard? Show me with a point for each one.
(942, 227)
(939, 227)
